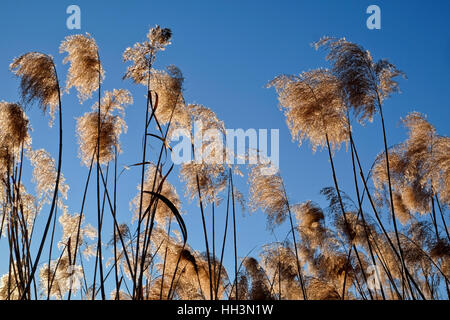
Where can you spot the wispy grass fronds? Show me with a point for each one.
(82, 54)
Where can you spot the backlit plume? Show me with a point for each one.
(14, 126)
(311, 221)
(168, 87)
(111, 127)
(44, 175)
(85, 71)
(267, 193)
(38, 80)
(212, 175)
(419, 168)
(364, 81)
(143, 54)
(313, 106)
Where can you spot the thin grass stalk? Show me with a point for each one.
(433, 218)
(165, 260)
(116, 275)
(373, 205)
(16, 179)
(50, 255)
(99, 224)
(206, 238)
(172, 288)
(55, 270)
(214, 246)
(149, 229)
(353, 151)
(234, 236)
(117, 226)
(442, 216)
(99, 256)
(83, 201)
(150, 222)
(341, 204)
(223, 242)
(141, 192)
(409, 278)
(297, 259)
(58, 176)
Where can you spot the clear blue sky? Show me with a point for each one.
(228, 51)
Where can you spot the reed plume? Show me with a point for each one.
(142, 54)
(111, 127)
(39, 83)
(365, 82)
(168, 87)
(14, 134)
(267, 192)
(82, 54)
(313, 106)
(38, 80)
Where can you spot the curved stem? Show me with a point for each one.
(55, 193)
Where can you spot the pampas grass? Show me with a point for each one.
(330, 252)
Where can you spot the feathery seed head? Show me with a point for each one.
(363, 80)
(85, 71)
(142, 55)
(38, 80)
(314, 107)
(111, 127)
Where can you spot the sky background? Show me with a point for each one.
(228, 51)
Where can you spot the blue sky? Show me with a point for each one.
(228, 51)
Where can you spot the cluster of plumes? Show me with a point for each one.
(207, 171)
(71, 227)
(154, 183)
(275, 277)
(417, 247)
(61, 276)
(365, 82)
(422, 251)
(38, 80)
(419, 169)
(44, 176)
(323, 252)
(314, 106)
(111, 127)
(268, 194)
(186, 274)
(14, 126)
(142, 54)
(85, 71)
(168, 87)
